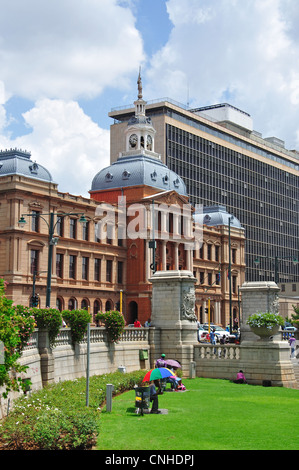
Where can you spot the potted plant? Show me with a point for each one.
(265, 324)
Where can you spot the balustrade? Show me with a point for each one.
(217, 352)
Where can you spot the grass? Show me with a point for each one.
(211, 415)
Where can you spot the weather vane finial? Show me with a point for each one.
(139, 82)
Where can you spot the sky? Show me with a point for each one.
(65, 64)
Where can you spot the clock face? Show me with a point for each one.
(133, 140)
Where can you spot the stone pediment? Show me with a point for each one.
(169, 198)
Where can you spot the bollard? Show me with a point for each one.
(192, 370)
(109, 390)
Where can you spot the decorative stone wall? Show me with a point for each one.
(65, 362)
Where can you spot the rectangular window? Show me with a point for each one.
(234, 287)
(59, 265)
(97, 269)
(34, 255)
(72, 267)
(109, 270)
(85, 268)
(85, 231)
(217, 249)
(35, 221)
(60, 226)
(73, 228)
(120, 265)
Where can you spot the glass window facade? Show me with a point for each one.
(264, 197)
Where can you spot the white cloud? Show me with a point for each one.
(245, 53)
(67, 142)
(53, 53)
(65, 48)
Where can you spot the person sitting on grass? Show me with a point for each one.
(240, 378)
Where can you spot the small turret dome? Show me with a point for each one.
(18, 162)
(215, 216)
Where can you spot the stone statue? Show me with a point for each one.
(139, 83)
(188, 305)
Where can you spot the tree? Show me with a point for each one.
(295, 318)
(16, 326)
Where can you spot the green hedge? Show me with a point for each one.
(56, 418)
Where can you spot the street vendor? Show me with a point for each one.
(154, 396)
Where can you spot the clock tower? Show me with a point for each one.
(140, 133)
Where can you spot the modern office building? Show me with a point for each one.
(223, 160)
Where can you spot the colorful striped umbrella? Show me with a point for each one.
(158, 373)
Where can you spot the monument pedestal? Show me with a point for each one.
(267, 363)
(173, 303)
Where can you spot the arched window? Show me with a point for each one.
(133, 312)
(97, 307)
(72, 304)
(59, 303)
(84, 304)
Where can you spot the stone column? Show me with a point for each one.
(173, 315)
(264, 362)
(47, 363)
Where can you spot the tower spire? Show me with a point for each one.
(139, 83)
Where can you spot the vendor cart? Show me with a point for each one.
(142, 399)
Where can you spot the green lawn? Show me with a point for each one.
(210, 415)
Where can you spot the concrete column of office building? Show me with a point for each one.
(265, 361)
(173, 318)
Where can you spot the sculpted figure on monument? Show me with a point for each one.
(188, 305)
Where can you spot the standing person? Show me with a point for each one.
(213, 338)
(292, 343)
(137, 324)
(223, 342)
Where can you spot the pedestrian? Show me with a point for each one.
(292, 343)
(137, 323)
(213, 338)
(223, 342)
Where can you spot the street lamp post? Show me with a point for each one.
(276, 264)
(52, 241)
(230, 273)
